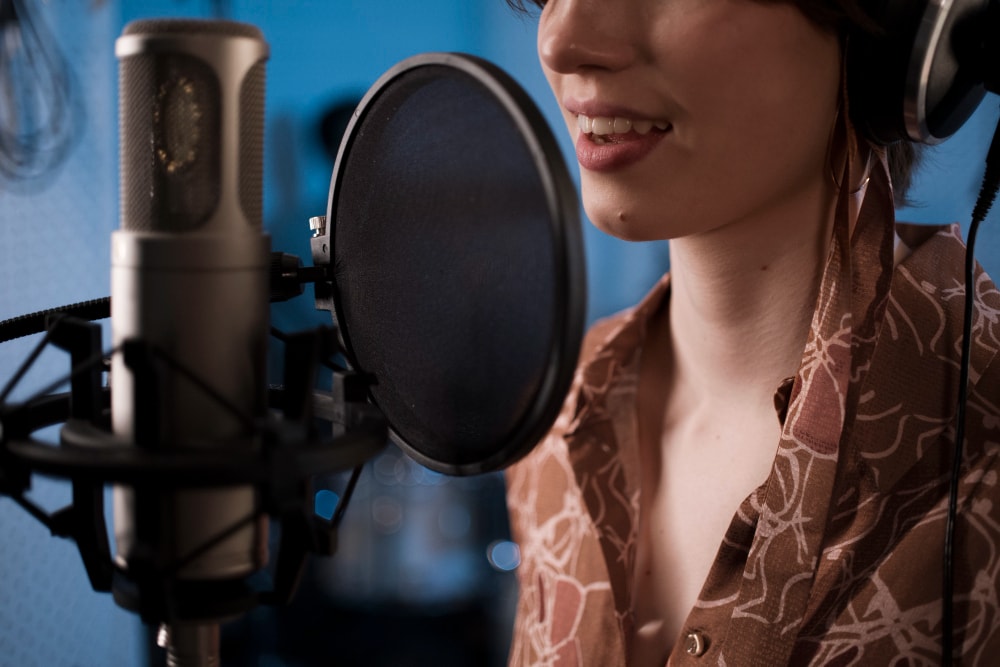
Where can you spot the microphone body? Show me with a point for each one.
(190, 281)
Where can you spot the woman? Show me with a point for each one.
(752, 466)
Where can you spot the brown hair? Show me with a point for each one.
(842, 16)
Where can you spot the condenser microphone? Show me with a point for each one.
(189, 315)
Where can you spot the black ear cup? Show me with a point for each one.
(917, 73)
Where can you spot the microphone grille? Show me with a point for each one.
(191, 125)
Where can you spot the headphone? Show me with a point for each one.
(921, 70)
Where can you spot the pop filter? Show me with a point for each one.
(458, 281)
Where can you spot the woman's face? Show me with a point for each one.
(690, 115)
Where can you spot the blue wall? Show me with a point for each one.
(54, 250)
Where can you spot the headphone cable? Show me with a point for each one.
(987, 194)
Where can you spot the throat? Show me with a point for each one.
(737, 349)
(742, 300)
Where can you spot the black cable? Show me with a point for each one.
(33, 323)
(987, 194)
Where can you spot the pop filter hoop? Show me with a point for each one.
(458, 280)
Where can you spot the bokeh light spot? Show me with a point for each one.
(504, 555)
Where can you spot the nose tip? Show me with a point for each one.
(585, 34)
(559, 53)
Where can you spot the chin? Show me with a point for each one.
(615, 213)
(625, 232)
(626, 225)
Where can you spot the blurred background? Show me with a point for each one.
(425, 570)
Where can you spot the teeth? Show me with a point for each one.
(605, 125)
(642, 126)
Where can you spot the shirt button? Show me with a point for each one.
(695, 644)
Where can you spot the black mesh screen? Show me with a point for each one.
(450, 277)
(251, 165)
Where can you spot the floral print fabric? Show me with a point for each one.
(836, 559)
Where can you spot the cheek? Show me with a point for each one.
(770, 98)
(758, 76)
(555, 88)
(763, 127)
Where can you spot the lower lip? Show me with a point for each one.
(625, 151)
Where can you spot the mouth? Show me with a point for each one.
(617, 129)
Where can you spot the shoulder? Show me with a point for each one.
(911, 393)
(929, 295)
(608, 344)
(549, 458)
(615, 339)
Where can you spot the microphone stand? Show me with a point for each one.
(190, 645)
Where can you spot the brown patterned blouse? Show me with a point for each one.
(836, 559)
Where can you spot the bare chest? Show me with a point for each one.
(689, 497)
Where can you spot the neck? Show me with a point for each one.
(742, 299)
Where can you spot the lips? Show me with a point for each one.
(608, 143)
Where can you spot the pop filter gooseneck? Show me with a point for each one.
(457, 259)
